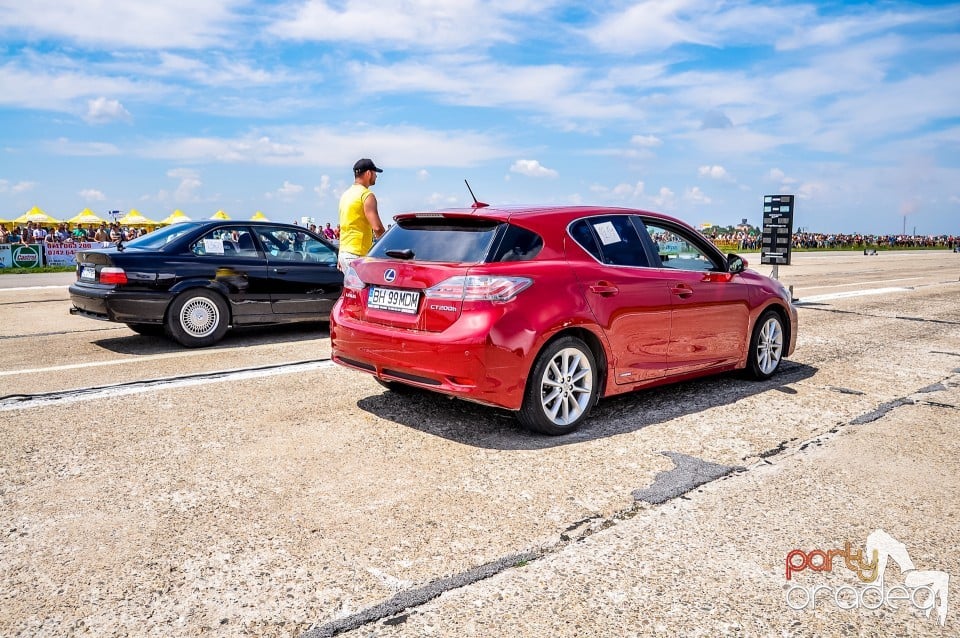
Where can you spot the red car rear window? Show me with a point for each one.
(457, 240)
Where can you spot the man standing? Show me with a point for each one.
(359, 218)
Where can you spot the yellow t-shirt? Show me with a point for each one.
(356, 235)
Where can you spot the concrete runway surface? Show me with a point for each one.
(253, 489)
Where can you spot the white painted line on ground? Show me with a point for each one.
(851, 293)
(151, 386)
(22, 288)
(865, 283)
(111, 362)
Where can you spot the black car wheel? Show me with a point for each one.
(147, 329)
(561, 389)
(766, 346)
(197, 318)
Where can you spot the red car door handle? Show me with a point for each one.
(604, 289)
(681, 290)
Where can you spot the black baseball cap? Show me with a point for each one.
(364, 165)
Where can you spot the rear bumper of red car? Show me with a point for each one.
(468, 366)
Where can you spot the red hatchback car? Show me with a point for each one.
(543, 311)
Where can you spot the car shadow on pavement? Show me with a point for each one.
(492, 428)
(132, 343)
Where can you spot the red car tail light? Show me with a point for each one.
(479, 287)
(350, 301)
(352, 281)
(112, 275)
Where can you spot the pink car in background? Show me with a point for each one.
(543, 311)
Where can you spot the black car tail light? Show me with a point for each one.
(112, 275)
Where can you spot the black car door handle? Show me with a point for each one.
(280, 271)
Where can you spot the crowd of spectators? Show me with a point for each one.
(746, 241)
(32, 233)
(858, 241)
(60, 234)
(333, 234)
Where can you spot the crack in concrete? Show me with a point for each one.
(937, 404)
(688, 474)
(881, 411)
(418, 596)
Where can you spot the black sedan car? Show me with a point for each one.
(194, 280)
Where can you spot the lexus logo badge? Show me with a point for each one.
(389, 275)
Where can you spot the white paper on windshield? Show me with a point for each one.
(213, 246)
(608, 234)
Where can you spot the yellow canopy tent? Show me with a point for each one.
(36, 216)
(220, 215)
(86, 216)
(136, 218)
(259, 217)
(175, 217)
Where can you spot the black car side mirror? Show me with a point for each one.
(736, 264)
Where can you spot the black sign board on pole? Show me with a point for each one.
(777, 238)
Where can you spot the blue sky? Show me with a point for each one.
(693, 108)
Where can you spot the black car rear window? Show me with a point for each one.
(159, 238)
(440, 239)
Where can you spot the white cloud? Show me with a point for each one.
(323, 189)
(732, 141)
(189, 184)
(777, 175)
(423, 175)
(652, 25)
(810, 190)
(92, 195)
(338, 148)
(287, 192)
(102, 110)
(713, 172)
(212, 69)
(63, 146)
(48, 88)
(842, 30)
(19, 187)
(656, 25)
(441, 200)
(140, 24)
(646, 141)
(628, 191)
(532, 168)
(413, 24)
(622, 192)
(561, 91)
(696, 196)
(665, 199)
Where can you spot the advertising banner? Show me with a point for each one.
(36, 255)
(30, 256)
(66, 254)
